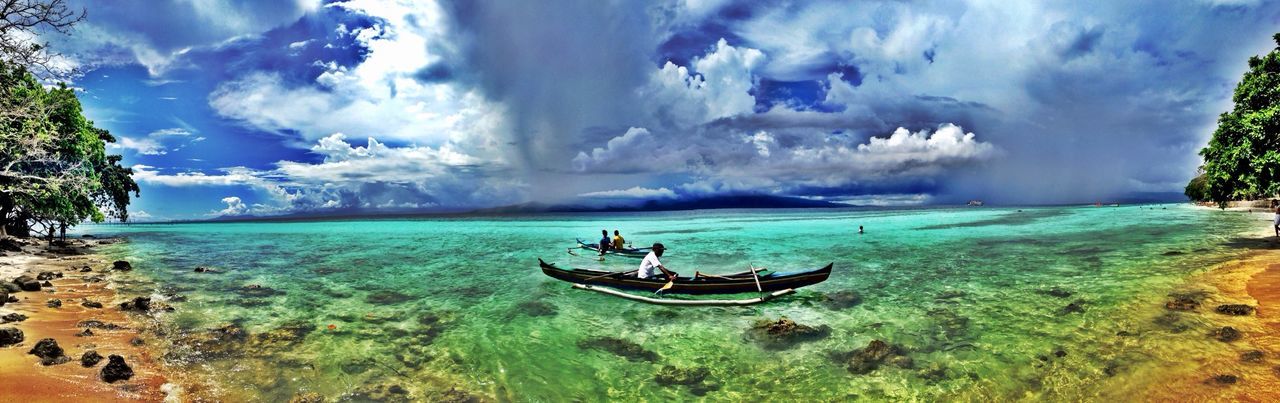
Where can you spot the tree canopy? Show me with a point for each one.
(1242, 160)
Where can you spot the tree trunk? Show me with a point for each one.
(63, 231)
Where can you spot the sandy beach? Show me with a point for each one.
(113, 332)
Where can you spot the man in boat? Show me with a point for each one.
(604, 241)
(618, 242)
(651, 262)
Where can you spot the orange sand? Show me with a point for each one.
(23, 378)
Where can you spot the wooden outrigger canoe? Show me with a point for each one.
(628, 252)
(749, 281)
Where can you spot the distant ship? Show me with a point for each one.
(977, 203)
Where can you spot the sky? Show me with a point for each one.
(241, 107)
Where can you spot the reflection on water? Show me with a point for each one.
(1062, 303)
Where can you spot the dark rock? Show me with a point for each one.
(26, 283)
(1060, 353)
(10, 336)
(46, 284)
(141, 304)
(843, 299)
(784, 333)
(1224, 379)
(137, 341)
(97, 324)
(116, 370)
(258, 291)
(1074, 307)
(13, 317)
(54, 303)
(310, 397)
(1234, 309)
(85, 333)
(121, 265)
(870, 358)
(201, 270)
(1172, 322)
(670, 375)
(4, 297)
(10, 287)
(537, 308)
(388, 297)
(49, 352)
(48, 275)
(622, 348)
(1182, 303)
(1227, 334)
(1173, 253)
(91, 304)
(1057, 293)
(1253, 356)
(12, 299)
(86, 269)
(90, 358)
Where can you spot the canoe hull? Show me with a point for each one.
(629, 252)
(685, 285)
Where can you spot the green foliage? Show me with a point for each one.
(53, 163)
(1242, 160)
(1198, 189)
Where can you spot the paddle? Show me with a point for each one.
(670, 283)
(757, 278)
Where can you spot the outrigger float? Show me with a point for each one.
(769, 285)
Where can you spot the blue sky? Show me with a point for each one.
(246, 107)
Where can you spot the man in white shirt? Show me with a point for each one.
(651, 262)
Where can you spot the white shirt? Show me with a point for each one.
(648, 265)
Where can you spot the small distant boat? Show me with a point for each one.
(747, 281)
(975, 203)
(627, 252)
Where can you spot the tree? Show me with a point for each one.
(1197, 190)
(54, 170)
(1242, 160)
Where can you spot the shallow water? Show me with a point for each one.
(976, 297)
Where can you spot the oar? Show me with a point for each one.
(611, 274)
(670, 283)
(757, 278)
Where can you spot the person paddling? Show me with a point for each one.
(651, 262)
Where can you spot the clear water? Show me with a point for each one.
(963, 292)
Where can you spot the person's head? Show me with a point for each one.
(604, 232)
(615, 232)
(658, 249)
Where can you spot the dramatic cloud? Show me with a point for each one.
(478, 103)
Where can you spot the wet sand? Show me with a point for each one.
(23, 378)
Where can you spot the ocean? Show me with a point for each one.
(1061, 303)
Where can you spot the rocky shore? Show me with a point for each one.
(63, 335)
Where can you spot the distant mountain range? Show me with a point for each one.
(706, 203)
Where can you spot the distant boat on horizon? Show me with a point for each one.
(975, 203)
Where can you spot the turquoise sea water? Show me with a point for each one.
(976, 297)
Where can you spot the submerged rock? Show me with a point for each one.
(1253, 356)
(1074, 307)
(1172, 322)
(48, 275)
(784, 333)
(308, 397)
(10, 336)
(116, 370)
(85, 333)
(121, 265)
(388, 297)
(1234, 309)
(1182, 303)
(873, 356)
(537, 308)
(1057, 292)
(695, 378)
(1227, 334)
(90, 358)
(49, 352)
(54, 303)
(1224, 379)
(91, 304)
(843, 299)
(97, 324)
(13, 317)
(4, 297)
(140, 304)
(622, 348)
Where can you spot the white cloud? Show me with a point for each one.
(719, 87)
(176, 131)
(635, 192)
(235, 207)
(143, 146)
